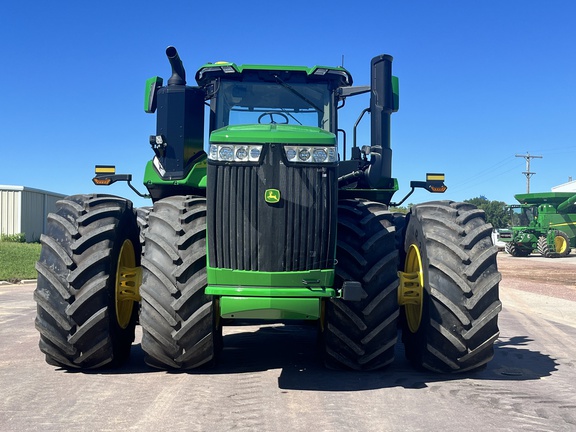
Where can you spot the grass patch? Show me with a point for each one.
(17, 260)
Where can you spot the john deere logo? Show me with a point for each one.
(272, 196)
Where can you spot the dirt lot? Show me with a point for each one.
(547, 276)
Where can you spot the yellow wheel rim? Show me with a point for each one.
(560, 244)
(410, 292)
(128, 280)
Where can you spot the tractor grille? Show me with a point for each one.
(247, 233)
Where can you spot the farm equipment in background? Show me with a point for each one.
(273, 223)
(544, 222)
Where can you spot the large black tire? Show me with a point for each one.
(399, 220)
(460, 303)
(142, 214)
(515, 251)
(180, 323)
(77, 294)
(561, 239)
(361, 335)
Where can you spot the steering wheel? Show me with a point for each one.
(272, 114)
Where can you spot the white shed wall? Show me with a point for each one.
(10, 220)
(24, 210)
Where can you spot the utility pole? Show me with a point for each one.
(528, 173)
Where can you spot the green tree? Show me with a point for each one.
(401, 209)
(496, 212)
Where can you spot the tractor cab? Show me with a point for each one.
(252, 106)
(272, 95)
(523, 215)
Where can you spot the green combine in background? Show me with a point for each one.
(276, 218)
(543, 222)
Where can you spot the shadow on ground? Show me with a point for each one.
(293, 350)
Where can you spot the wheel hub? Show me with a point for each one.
(128, 281)
(560, 244)
(411, 287)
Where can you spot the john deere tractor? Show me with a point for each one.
(276, 218)
(544, 222)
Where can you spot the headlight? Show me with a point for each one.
(226, 154)
(242, 153)
(319, 155)
(311, 154)
(234, 152)
(304, 154)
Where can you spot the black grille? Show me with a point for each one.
(247, 233)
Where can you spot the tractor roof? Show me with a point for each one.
(340, 76)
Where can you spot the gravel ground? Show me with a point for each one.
(270, 378)
(542, 287)
(546, 276)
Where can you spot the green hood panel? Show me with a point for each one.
(273, 133)
(310, 279)
(196, 177)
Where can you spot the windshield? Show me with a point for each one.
(281, 103)
(522, 216)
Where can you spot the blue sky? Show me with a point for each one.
(480, 81)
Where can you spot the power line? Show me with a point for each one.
(528, 173)
(483, 174)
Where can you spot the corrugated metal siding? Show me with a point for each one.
(32, 213)
(24, 210)
(10, 220)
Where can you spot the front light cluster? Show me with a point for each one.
(311, 154)
(235, 152)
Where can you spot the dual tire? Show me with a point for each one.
(87, 282)
(87, 286)
(361, 335)
(453, 326)
(179, 322)
(447, 246)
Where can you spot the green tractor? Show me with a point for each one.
(544, 222)
(268, 221)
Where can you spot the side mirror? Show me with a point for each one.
(395, 94)
(434, 183)
(152, 86)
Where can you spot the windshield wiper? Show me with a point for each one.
(290, 114)
(297, 93)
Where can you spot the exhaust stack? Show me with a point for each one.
(178, 73)
(382, 105)
(179, 122)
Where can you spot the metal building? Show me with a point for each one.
(24, 210)
(566, 187)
